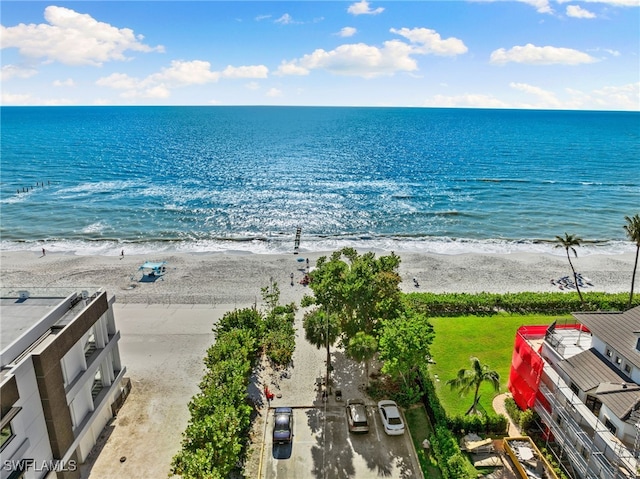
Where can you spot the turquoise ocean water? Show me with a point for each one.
(91, 180)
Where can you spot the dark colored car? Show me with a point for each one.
(283, 425)
(357, 416)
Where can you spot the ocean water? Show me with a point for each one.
(92, 180)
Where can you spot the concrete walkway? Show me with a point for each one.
(499, 408)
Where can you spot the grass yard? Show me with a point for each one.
(490, 339)
(421, 429)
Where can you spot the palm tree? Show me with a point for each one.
(633, 232)
(468, 379)
(321, 330)
(569, 242)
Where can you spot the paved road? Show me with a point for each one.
(323, 448)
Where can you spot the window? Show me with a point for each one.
(6, 429)
(5, 435)
(618, 360)
(610, 426)
(638, 345)
(593, 404)
(90, 345)
(608, 353)
(627, 369)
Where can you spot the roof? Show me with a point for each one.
(592, 373)
(618, 330)
(590, 368)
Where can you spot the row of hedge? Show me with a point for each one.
(215, 441)
(485, 304)
(215, 438)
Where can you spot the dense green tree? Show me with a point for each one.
(362, 347)
(404, 346)
(361, 290)
(352, 293)
(471, 379)
(633, 232)
(569, 243)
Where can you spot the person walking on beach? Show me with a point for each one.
(121, 254)
(44, 253)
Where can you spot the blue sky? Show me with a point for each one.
(547, 54)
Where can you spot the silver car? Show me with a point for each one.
(357, 416)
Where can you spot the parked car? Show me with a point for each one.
(357, 416)
(391, 418)
(283, 425)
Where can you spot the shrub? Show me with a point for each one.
(483, 304)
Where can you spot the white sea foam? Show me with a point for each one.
(284, 245)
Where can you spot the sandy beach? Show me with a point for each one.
(223, 278)
(166, 327)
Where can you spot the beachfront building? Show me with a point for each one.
(60, 382)
(583, 381)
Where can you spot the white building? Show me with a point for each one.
(584, 382)
(60, 381)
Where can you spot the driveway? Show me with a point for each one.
(323, 448)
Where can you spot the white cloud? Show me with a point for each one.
(368, 61)
(64, 83)
(253, 85)
(17, 99)
(362, 8)
(73, 38)
(254, 71)
(356, 59)
(546, 99)
(274, 93)
(178, 74)
(616, 3)
(541, 6)
(14, 71)
(466, 100)
(576, 11)
(182, 73)
(625, 97)
(431, 42)
(291, 68)
(285, 19)
(533, 55)
(347, 32)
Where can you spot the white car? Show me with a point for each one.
(391, 418)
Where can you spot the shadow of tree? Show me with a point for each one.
(331, 459)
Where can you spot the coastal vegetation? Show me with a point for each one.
(215, 440)
(471, 379)
(569, 243)
(632, 228)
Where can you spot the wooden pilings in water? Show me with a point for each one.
(26, 189)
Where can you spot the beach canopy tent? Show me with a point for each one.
(150, 268)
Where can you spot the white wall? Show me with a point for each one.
(29, 423)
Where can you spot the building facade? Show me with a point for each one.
(61, 380)
(583, 380)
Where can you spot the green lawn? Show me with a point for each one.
(421, 429)
(489, 338)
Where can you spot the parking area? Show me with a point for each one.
(323, 448)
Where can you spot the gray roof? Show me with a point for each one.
(590, 368)
(620, 331)
(592, 373)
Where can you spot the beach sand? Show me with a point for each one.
(166, 328)
(223, 278)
